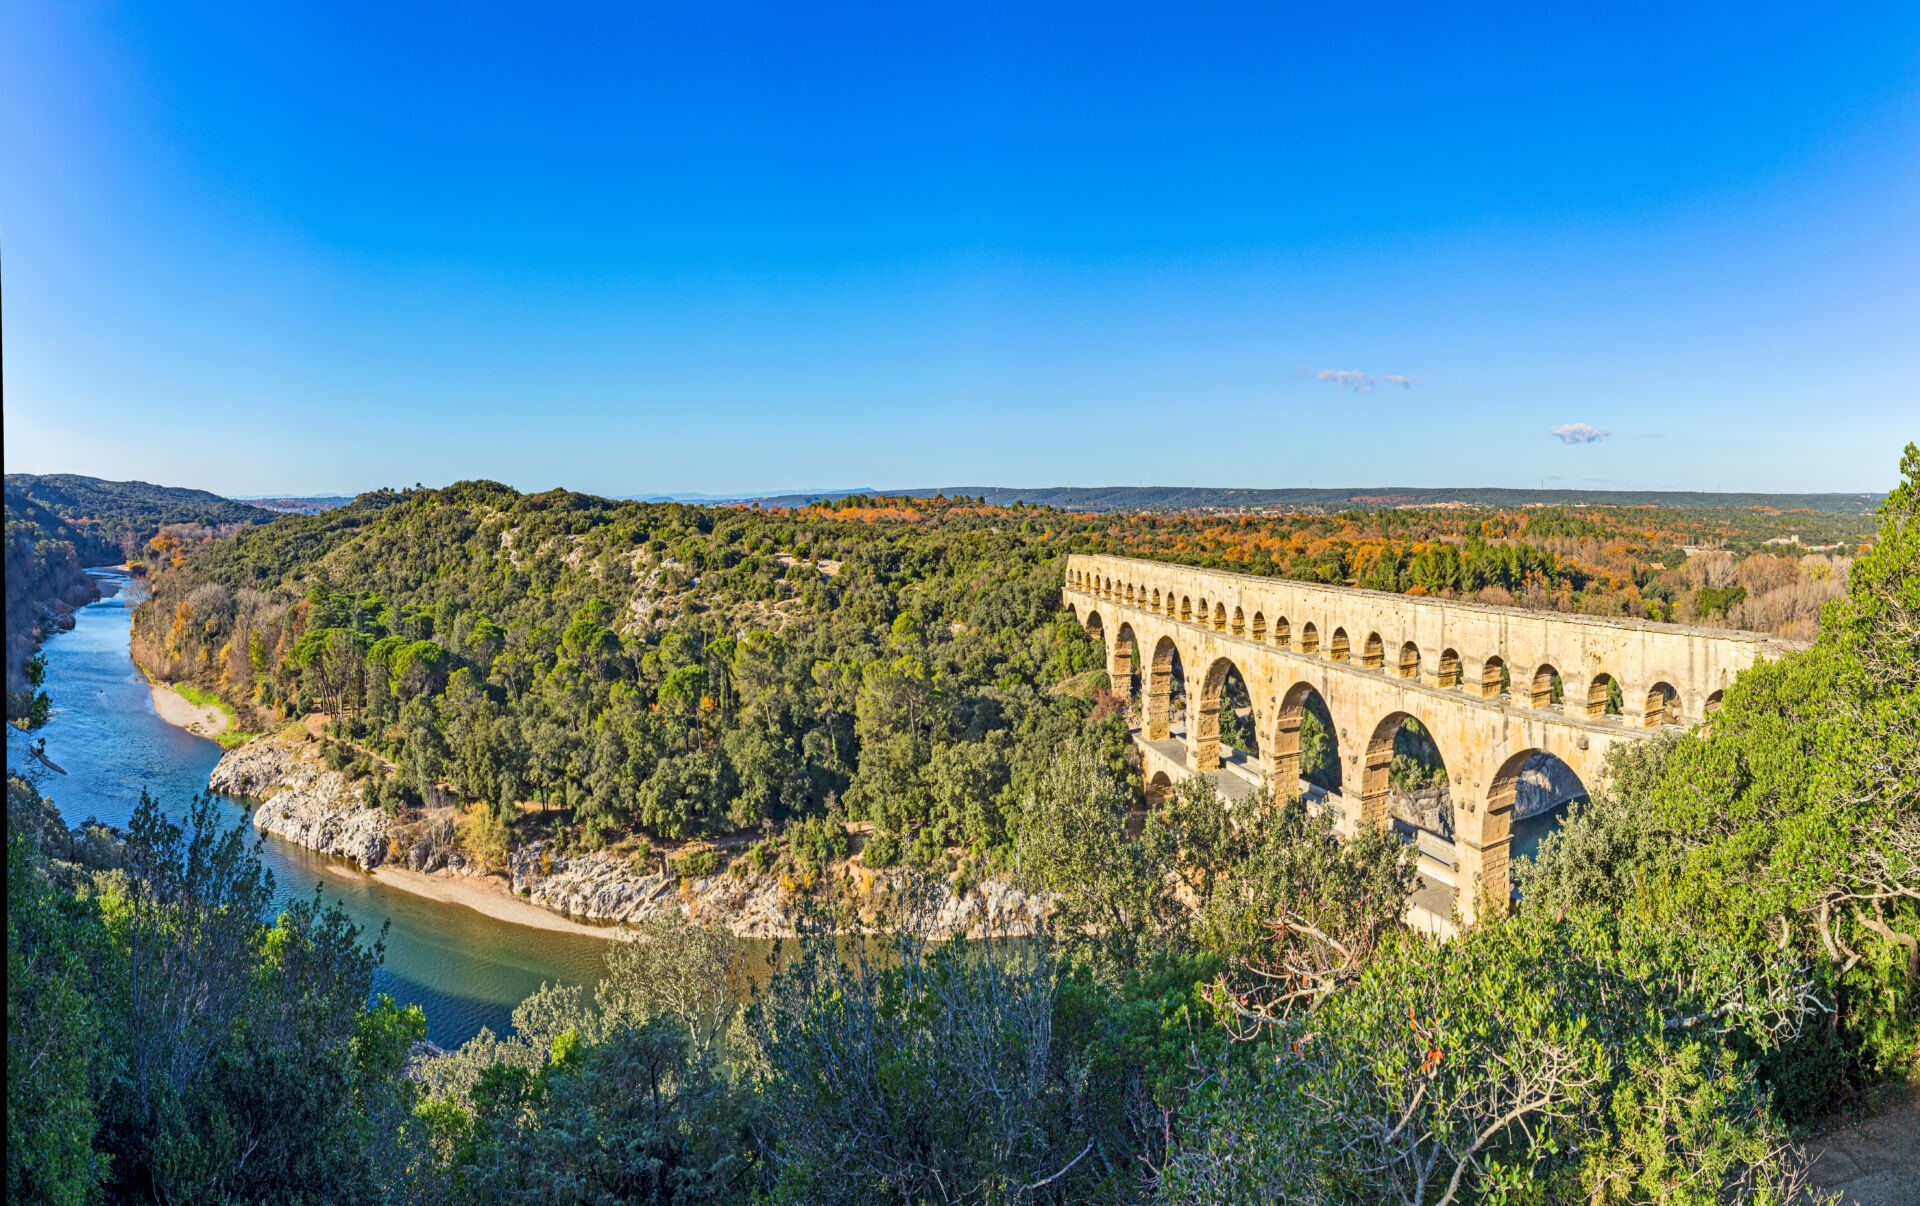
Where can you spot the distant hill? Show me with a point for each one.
(60, 523)
(1362, 498)
(109, 521)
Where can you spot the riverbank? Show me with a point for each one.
(202, 720)
(41, 601)
(303, 802)
(487, 895)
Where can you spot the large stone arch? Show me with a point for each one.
(1662, 705)
(1544, 686)
(1203, 739)
(1377, 761)
(1409, 665)
(1158, 788)
(1490, 842)
(1373, 655)
(1493, 681)
(1603, 697)
(1165, 668)
(1282, 751)
(1544, 786)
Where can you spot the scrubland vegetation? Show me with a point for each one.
(1224, 1006)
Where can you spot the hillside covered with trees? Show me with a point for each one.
(1225, 1006)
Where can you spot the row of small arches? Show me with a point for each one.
(1603, 696)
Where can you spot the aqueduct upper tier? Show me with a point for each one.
(1494, 686)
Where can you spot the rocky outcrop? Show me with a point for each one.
(301, 800)
(612, 888)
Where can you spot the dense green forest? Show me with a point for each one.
(672, 669)
(45, 574)
(1224, 1006)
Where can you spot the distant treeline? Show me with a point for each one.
(1362, 498)
(299, 504)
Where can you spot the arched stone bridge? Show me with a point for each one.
(1495, 687)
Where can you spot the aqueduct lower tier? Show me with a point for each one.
(1493, 686)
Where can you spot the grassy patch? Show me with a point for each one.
(200, 697)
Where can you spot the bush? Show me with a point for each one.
(391, 796)
(882, 850)
(694, 864)
(814, 843)
(762, 855)
(484, 834)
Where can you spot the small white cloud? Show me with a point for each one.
(1579, 433)
(1357, 381)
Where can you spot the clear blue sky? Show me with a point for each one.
(709, 247)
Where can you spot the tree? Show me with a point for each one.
(932, 1077)
(1527, 1059)
(1111, 892)
(56, 1056)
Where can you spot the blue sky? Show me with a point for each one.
(639, 248)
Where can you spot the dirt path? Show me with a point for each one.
(1875, 1162)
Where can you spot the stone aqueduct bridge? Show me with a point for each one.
(1376, 659)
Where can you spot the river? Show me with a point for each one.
(466, 970)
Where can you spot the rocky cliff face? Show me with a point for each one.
(605, 887)
(301, 800)
(304, 802)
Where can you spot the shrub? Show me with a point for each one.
(815, 842)
(882, 850)
(694, 864)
